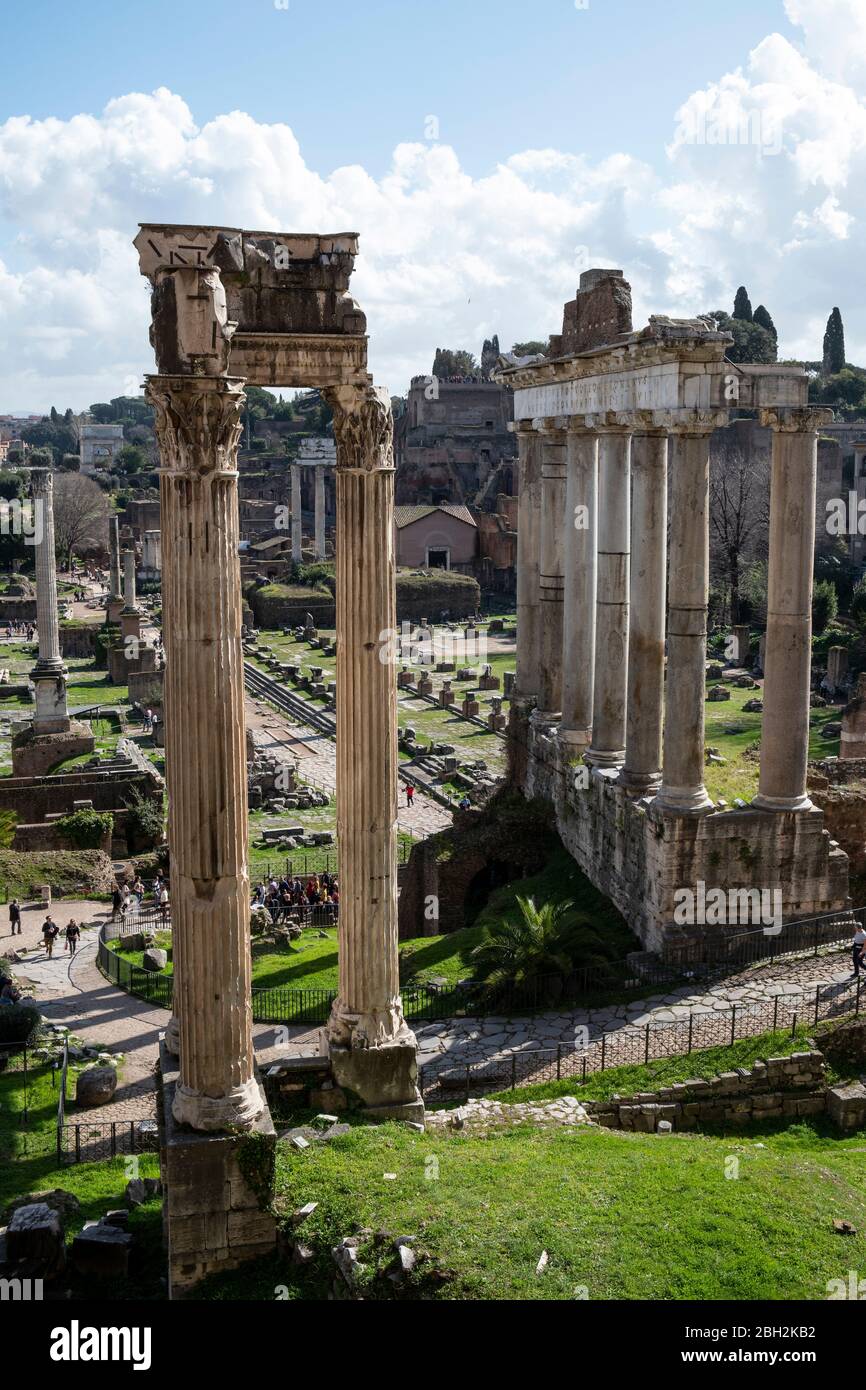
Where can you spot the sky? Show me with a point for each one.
(486, 152)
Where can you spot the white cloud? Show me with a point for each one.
(763, 184)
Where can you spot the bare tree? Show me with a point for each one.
(81, 511)
(739, 515)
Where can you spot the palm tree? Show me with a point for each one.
(535, 950)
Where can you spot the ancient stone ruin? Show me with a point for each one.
(608, 719)
(273, 309)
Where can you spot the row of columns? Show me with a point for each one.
(601, 593)
(319, 512)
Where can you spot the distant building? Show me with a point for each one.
(441, 537)
(98, 445)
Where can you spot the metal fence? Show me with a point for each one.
(87, 1141)
(442, 1081)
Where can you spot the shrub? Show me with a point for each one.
(86, 829)
(145, 819)
(825, 605)
(19, 1027)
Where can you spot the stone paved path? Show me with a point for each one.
(317, 756)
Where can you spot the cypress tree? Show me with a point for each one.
(742, 305)
(834, 345)
(763, 318)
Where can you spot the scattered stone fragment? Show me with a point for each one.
(844, 1228)
(300, 1216)
(543, 1262)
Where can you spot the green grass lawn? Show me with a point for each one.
(622, 1216)
(738, 777)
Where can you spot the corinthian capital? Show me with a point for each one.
(796, 419)
(198, 423)
(363, 427)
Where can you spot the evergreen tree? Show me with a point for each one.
(742, 305)
(763, 319)
(834, 345)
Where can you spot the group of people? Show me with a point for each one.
(16, 627)
(283, 896)
(126, 898)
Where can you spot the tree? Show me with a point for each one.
(56, 434)
(539, 946)
(260, 403)
(131, 459)
(834, 345)
(742, 306)
(81, 511)
(858, 605)
(449, 362)
(533, 348)
(739, 516)
(825, 605)
(752, 342)
(762, 318)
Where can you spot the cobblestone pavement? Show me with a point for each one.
(100, 1013)
(317, 756)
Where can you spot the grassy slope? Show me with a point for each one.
(623, 1216)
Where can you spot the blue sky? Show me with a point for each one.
(567, 137)
(354, 79)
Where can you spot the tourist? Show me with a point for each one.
(9, 994)
(465, 803)
(410, 794)
(163, 904)
(858, 946)
(116, 903)
(126, 900)
(138, 890)
(72, 934)
(148, 720)
(15, 917)
(50, 931)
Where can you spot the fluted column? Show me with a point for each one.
(682, 786)
(320, 512)
(607, 749)
(551, 572)
(642, 770)
(297, 519)
(788, 655)
(373, 1052)
(129, 581)
(528, 545)
(49, 673)
(198, 423)
(581, 543)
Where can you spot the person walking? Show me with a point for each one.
(163, 904)
(410, 794)
(858, 945)
(116, 903)
(15, 917)
(73, 934)
(50, 931)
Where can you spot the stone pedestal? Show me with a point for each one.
(213, 1220)
(372, 1049)
(607, 749)
(198, 427)
(785, 729)
(581, 543)
(641, 773)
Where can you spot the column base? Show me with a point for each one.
(782, 803)
(239, 1109)
(604, 758)
(576, 739)
(684, 801)
(171, 1038)
(384, 1079)
(545, 718)
(639, 784)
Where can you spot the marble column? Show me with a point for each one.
(551, 572)
(49, 673)
(297, 519)
(788, 655)
(129, 580)
(115, 590)
(320, 512)
(682, 788)
(642, 771)
(372, 1050)
(528, 663)
(580, 596)
(198, 424)
(607, 748)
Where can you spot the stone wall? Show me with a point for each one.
(640, 856)
(780, 1088)
(838, 786)
(278, 605)
(434, 593)
(78, 639)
